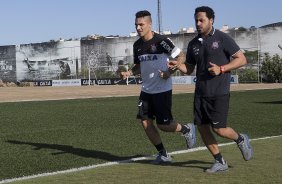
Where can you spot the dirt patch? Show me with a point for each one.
(13, 94)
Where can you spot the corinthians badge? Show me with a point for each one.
(215, 45)
(153, 48)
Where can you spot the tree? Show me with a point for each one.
(272, 68)
(242, 29)
(252, 56)
(246, 75)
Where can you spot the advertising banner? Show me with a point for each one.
(111, 81)
(71, 82)
(43, 83)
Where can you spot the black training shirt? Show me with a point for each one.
(217, 48)
(153, 55)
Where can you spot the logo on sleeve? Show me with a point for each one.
(166, 46)
(196, 50)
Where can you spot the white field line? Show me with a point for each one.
(118, 162)
(65, 98)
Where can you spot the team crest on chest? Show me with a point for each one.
(215, 45)
(153, 48)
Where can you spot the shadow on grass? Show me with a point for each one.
(203, 165)
(195, 164)
(72, 150)
(272, 102)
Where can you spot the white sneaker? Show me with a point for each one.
(246, 148)
(217, 167)
(190, 137)
(162, 159)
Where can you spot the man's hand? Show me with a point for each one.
(164, 74)
(172, 64)
(125, 75)
(214, 69)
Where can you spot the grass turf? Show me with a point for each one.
(38, 137)
(186, 168)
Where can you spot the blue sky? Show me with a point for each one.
(33, 21)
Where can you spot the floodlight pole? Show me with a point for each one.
(89, 70)
(258, 43)
(159, 17)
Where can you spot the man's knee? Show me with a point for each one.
(219, 131)
(147, 123)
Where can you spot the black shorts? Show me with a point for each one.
(155, 106)
(211, 110)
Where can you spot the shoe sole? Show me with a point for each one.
(161, 163)
(219, 171)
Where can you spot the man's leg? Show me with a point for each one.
(242, 141)
(208, 138)
(151, 132)
(162, 108)
(188, 131)
(155, 138)
(227, 132)
(211, 143)
(172, 127)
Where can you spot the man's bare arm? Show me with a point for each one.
(135, 70)
(180, 59)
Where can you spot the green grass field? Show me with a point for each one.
(40, 137)
(187, 168)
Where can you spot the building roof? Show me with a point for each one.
(277, 24)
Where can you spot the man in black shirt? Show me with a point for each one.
(215, 54)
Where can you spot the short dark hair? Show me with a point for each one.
(209, 12)
(142, 13)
